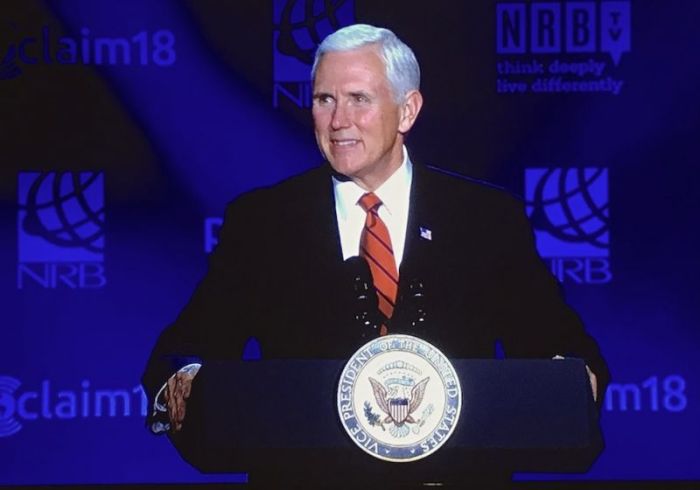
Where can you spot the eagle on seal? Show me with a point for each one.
(398, 410)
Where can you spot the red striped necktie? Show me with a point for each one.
(375, 246)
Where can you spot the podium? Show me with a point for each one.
(278, 421)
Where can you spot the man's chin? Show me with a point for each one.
(337, 175)
(347, 170)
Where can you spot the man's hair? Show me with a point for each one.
(402, 68)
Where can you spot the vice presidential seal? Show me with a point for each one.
(399, 398)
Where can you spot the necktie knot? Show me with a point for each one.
(369, 201)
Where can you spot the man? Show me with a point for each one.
(278, 272)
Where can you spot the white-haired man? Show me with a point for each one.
(278, 272)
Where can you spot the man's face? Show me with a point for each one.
(358, 124)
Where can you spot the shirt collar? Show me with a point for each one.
(393, 192)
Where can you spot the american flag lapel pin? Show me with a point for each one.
(426, 233)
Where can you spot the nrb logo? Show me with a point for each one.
(572, 27)
(299, 27)
(569, 210)
(60, 229)
(46, 403)
(561, 47)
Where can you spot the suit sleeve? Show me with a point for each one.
(535, 321)
(218, 318)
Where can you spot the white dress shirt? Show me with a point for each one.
(394, 194)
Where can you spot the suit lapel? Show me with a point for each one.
(322, 224)
(420, 231)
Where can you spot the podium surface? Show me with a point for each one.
(279, 419)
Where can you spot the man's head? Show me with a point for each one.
(401, 66)
(366, 98)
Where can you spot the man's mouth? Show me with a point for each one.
(344, 143)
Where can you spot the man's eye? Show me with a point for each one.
(361, 98)
(325, 99)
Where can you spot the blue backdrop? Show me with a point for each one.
(127, 126)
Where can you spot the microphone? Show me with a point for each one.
(411, 315)
(418, 314)
(364, 298)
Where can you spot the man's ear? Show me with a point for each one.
(409, 110)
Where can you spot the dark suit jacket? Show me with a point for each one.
(278, 274)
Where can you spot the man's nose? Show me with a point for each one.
(340, 117)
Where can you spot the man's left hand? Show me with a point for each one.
(591, 377)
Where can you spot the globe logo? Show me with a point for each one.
(8, 425)
(299, 27)
(59, 211)
(569, 206)
(303, 25)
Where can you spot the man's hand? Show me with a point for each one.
(594, 383)
(591, 377)
(176, 394)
